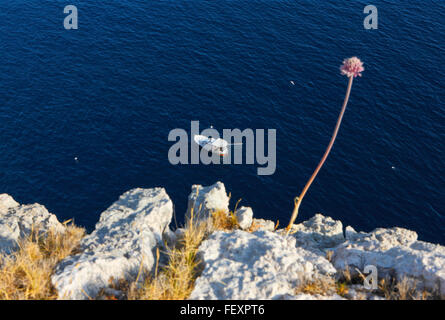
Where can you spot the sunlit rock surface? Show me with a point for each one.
(258, 265)
(17, 221)
(125, 237)
(204, 200)
(395, 252)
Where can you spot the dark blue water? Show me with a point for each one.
(110, 92)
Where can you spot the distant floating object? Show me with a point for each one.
(76, 158)
(219, 146)
(394, 168)
(213, 145)
(292, 83)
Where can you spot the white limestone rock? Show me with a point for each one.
(205, 200)
(125, 237)
(6, 202)
(350, 233)
(265, 225)
(244, 216)
(259, 265)
(395, 252)
(318, 234)
(17, 221)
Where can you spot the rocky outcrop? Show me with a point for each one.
(17, 221)
(205, 200)
(395, 252)
(318, 234)
(254, 262)
(6, 202)
(259, 265)
(244, 217)
(239, 265)
(125, 239)
(262, 224)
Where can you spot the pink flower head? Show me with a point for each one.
(352, 67)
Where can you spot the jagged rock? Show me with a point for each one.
(6, 202)
(205, 200)
(261, 224)
(244, 216)
(258, 265)
(125, 238)
(17, 221)
(350, 233)
(318, 233)
(395, 252)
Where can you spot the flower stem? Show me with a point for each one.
(297, 200)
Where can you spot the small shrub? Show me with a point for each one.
(175, 281)
(321, 285)
(342, 289)
(26, 273)
(221, 220)
(404, 289)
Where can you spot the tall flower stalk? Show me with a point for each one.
(352, 67)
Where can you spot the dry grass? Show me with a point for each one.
(317, 285)
(342, 289)
(322, 285)
(389, 288)
(26, 273)
(405, 289)
(254, 226)
(329, 255)
(346, 275)
(221, 220)
(175, 281)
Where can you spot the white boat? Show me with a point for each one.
(213, 145)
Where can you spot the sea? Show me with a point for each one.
(85, 113)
